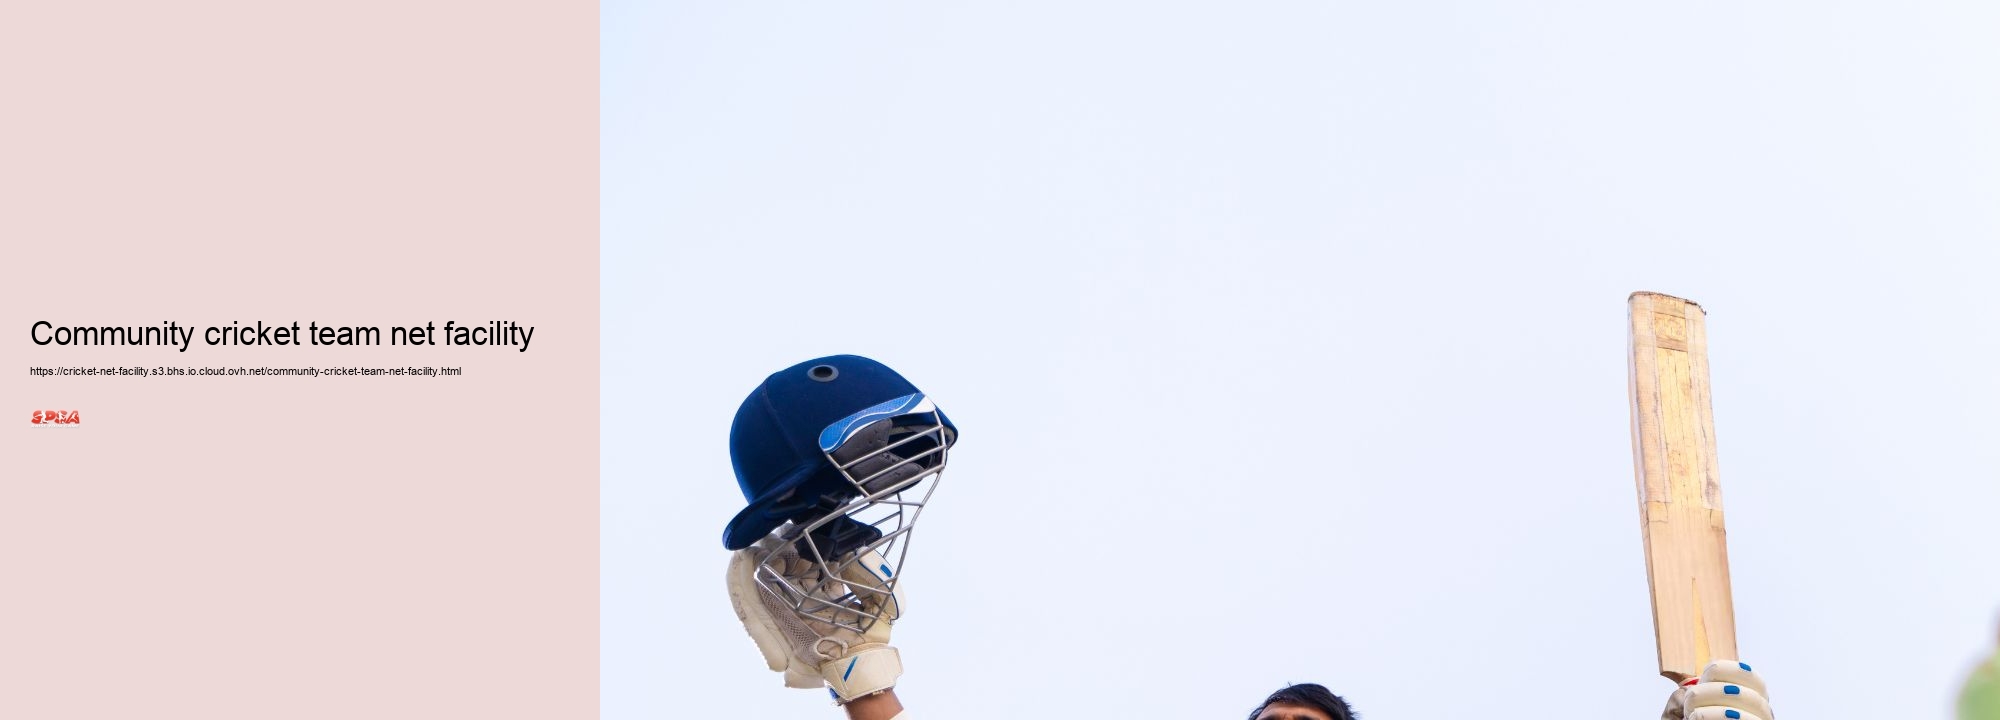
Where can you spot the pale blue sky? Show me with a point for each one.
(1287, 339)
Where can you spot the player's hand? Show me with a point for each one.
(809, 652)
(1726, 690)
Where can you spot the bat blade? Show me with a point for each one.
(1680, 487)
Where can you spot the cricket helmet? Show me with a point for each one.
(836, 457)
(799, 441)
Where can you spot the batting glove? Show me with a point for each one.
(809, 652)
(1726, 690)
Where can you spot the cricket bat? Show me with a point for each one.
(1680, 488)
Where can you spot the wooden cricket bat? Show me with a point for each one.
(1680, 488)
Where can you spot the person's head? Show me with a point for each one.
(1305, 701)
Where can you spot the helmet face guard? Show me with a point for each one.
(838, 561)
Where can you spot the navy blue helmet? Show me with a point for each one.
(816, 437)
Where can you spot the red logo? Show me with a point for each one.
(56, 417)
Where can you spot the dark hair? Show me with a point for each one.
(1310, 695)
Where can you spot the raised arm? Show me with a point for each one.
(883, 706)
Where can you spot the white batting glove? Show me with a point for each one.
(812, 653)
(1726, 690)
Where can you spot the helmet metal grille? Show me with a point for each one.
(838, 567)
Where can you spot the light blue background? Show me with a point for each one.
(1287, 339)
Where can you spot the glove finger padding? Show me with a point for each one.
(1726, 690)
(1734, 672)
(867, 579)
(758, 619)
(799, 633)
(1727, 695)
(777, 631)
(1716, 713)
